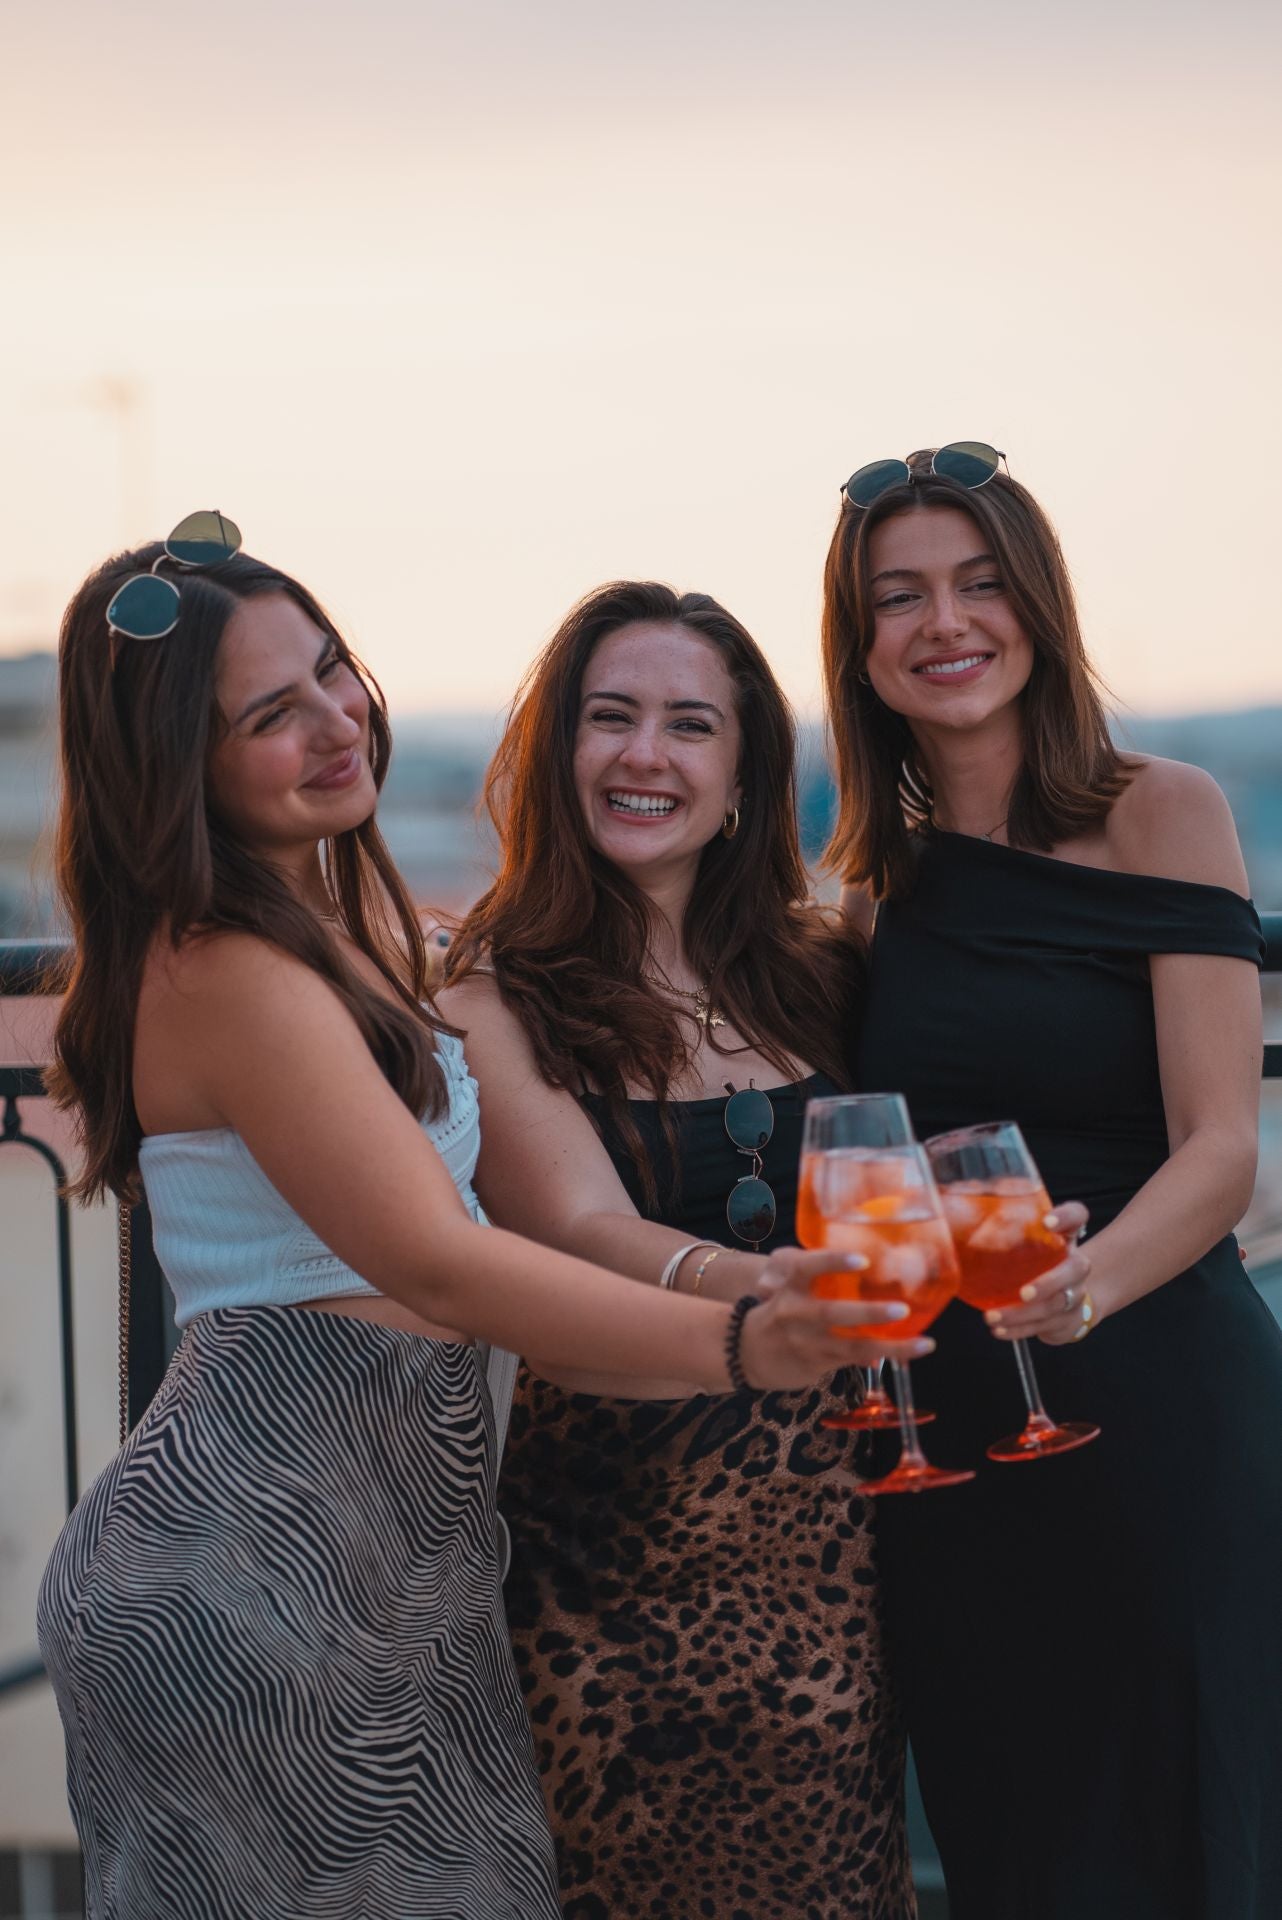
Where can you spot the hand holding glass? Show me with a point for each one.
(995, 1204)
(866, 1187)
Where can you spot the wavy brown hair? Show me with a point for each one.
(566, 933)
(142, 855)
(1071, 772)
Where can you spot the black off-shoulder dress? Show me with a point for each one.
(697, 1626)
(1090, 1646)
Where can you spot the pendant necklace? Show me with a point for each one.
(703, 1012)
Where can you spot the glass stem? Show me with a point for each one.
(872, 1383)
(1037, 1414)
(911, 1454)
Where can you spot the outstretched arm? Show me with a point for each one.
(279, 1059)
(544, 1172)
(543, 1169)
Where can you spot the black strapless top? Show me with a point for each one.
(694, 1200)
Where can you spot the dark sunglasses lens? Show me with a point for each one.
(751, 1209)
(872, 481)
(750, 1119)
(146, 608)
(203, 540)
(969, 462)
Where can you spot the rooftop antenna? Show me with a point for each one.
(124, 400)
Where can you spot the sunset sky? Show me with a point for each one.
(460, 309)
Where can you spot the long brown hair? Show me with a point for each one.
(566, 933)
(141, 849)
(1071, 771)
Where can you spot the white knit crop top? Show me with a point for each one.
(225, 1237)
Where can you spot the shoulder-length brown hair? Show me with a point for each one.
(566, 934)
(1071, 772)
(141, 849)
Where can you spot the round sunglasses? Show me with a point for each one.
(971, 463)
(750, 1121)
(147, 606)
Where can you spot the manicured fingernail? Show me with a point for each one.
(993, 1317)
(896, 1310)
(855, 1263)
(1028, 1293)
(1001, 1333)
(1050, 1220)
(921, 1347)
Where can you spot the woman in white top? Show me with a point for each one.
(273, 1624)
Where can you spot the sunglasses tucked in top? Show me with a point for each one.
(750, 1121)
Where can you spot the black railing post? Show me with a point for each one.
(26, 1083)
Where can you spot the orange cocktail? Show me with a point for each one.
(996, 1204)
(861, 1201)
(1001, 1241)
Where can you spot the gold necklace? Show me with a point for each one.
(704, 1012)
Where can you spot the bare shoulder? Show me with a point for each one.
(220, 1012)
(216, 972)
(498, 1049)
(859, 907)
(1174, 821)
(474, 997)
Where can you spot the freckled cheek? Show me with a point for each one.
(586, 771)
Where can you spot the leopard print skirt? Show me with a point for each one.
(693, 1601)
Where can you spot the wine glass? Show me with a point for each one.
(886, 1122)
(865, 1186)
(995, 1204)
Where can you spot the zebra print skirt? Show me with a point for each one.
(276, 1636)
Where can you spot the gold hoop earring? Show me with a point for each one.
(730, 825)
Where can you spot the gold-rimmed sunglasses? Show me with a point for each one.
(147, 606)
(970, 463)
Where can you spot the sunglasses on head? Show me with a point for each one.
(147, 606)
(750, 1121)
(970, 463)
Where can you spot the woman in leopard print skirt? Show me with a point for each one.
(693, 1594)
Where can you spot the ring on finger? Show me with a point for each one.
(1069, 1297)
(1088, 1315)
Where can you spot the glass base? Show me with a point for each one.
(1036, 1443)
(908, 1479)
(870, 1416)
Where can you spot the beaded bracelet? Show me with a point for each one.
(734, 1339)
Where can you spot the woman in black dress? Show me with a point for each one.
(692, 1595)
(1090, 1646)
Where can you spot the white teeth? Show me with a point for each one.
(955, 666)
(639, 803)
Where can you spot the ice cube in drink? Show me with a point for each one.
(1008, 1246)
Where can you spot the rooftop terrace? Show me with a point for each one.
(68, 1380)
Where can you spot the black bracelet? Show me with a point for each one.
(734, 1339)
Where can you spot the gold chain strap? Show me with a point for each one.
(126, 1263)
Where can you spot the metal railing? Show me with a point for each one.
(31, 966)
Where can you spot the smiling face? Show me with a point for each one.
(656, 751)
(948, 649)
(292, 766)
